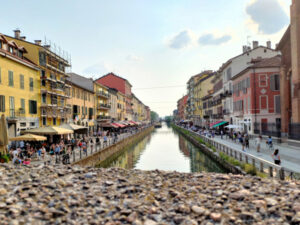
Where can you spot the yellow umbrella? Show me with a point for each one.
(49, 131)
(71, 126)
(28, 137)
(3, 135)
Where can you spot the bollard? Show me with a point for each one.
(235, 155)
(261, 168)
(281, 174)
(246, 158)
(73, 152)
(253, 162)
(80, 153)
(241, 157)
(270, 171)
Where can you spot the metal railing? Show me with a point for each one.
(267, 167)
(103, 94)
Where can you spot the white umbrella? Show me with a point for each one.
(231, 126)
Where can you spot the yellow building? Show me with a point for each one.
(202, 86)
(19, 87)
(102, 105)
(82, 100)
(53, 87)
(121, 106)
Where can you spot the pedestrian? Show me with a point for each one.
(258, 143)
(276, 157)
(105, 140)
(221, 134)
(247, 141)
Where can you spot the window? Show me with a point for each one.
(31, 83)
(263, 102)
(43, 73)
(0, 74)
(73, 92)
(32, 124)
(277, 104)
(0, 44)
(229, 73)
(249, 103)
(54, 121)
(44, 98)
(42, 57)
(275, 82)
(82, 110)
(12, 106)
(248, 82)
(22, 109)
(85, 110)
(263, 80)
(32, 107)
(10, 78)
(21, 81)
(78, 93)
(2, 103)
(44, 121)
(62, 102)
(11, 50)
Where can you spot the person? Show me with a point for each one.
(247, 141)
(15, 153)
(84, 146)
(22, 145)
(105, 140)
(43, 152)
(258, 142)
(26, 161)
(221, 134)
(276, 157)
(39, 152)
(270, 142)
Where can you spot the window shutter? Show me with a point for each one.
(277, 104)
(272, 82)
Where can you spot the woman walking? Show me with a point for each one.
(258, 143)
(276, 157)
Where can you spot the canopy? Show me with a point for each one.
(28, 137)
(132, 122)
(230, 126)
(212, 124)
(49, 131)
(71, 126)
(118, 125)
(109, 125)
(3, 135)
(220, 124)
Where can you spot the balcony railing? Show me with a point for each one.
(100, 117)
(103, 106)
(103, 94)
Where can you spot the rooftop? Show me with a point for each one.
(82, 82)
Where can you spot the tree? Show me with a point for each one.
(154, 116)
(169, 119)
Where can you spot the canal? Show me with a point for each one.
(164, 149)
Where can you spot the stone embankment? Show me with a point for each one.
(77, 195)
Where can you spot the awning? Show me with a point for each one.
(134, 123)
(212, 124)
(49, 131)
(220, 124)
(108, 125)
(28, 137)
(118, 125)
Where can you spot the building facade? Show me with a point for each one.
(121, 106)
(113, 102)
(256, 97)
(53, 88)
(82, 101)
(19, 88)
(181, 107)
(102, 105)
(122, 85)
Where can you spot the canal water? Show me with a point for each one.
(164, 149)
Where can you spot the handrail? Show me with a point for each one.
(239, 155)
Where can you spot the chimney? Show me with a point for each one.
(255, 44)
(269, 44)
(38, 42)
(17, 33)
(47, 46)
(245, 48)
(23, 38)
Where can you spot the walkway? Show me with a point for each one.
(290, 156)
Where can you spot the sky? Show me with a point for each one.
(155, 44)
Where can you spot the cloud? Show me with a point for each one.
(134, 58)
(210, 39)
(268, 15)
(97, 68)
(181, 40)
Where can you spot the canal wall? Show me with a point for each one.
(98, 157)
(208, 151)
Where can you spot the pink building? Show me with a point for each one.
(256, 97)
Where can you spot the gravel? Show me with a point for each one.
(74, 195)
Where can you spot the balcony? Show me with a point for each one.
(102, 94)
(100, 117)
(103, 106)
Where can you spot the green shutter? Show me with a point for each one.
(2, 103)
(23, 105)
(21, 81)
(31, 83)
(10, 78)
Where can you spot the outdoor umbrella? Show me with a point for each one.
(3, 135)
(49, 131)
(28, 137)
(72, 127)
(231, 126)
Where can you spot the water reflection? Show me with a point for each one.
(164, 149)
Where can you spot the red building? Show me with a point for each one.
(181, 105)
(256, 97)
(148, 113)
(113, 81)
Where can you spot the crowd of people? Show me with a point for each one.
(24, 153)
(243, 138)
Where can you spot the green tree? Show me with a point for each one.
(154, 116)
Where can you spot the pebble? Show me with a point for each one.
(78, 195)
